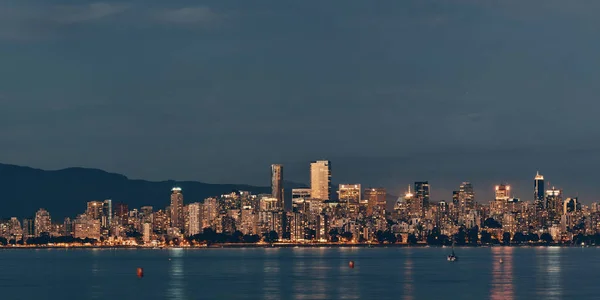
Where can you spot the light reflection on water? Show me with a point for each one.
(303, 273)
(176, 287)
(502, 274)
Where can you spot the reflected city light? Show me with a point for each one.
(502, 274)
(408, 279)
(176, 288)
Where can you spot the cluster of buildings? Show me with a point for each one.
(320, 214)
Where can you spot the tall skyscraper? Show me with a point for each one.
(538, 192)
(503, 192)
(277, 184)
(121, 213)
(349, 196)
(195, 218)
(376, 200)
(106, 213)
(177, 217)
(466, 197)
(554, 203)
(94, 210)
(320, 179)
(43, 223)
(422, 192)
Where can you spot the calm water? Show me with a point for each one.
(301, 273)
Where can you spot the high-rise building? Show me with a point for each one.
(94, 210)
(422, 192)
(43, 223)
(147, 232)
(195, 211)
(86, 227)
(121, 213)
(106, 213)
(554, 203)
(211, 212)
(466, 197)
(502, 192)
(376, 200)
(538, 192)
(277, 184)
(177, 217)
(320, 180)
(300, 199)
(28, 229)
(349, 196)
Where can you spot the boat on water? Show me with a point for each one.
(452, 257)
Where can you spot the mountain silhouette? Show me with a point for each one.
(64, 193)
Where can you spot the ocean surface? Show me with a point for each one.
(301, 273)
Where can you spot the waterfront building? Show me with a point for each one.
(320, 180)
(277, 190)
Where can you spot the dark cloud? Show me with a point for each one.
(128, 86)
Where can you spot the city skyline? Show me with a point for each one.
(354, 215)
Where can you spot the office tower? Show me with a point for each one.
(570, 205)
(497, 207)
(28, 229)
(121, 213)
(68, 227)
(413, 204)
(349, 196)
(320, 180)
(106, 213)
(195, 218)
(502, 192)
(376, 200)
(177, 217)
(422, 192)
(554, 203)
(538, 192)
(466, 197)
(43, 223)
(94, 209)
(277, 184)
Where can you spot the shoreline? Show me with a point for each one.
(283, 245)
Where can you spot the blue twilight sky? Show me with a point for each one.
(390, 91)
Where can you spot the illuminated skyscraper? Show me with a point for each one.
(43, 223)
(277, 184)
(121, 212)
(422, 192)
(211, 211)
(503, 192)
(94, 210)
(195, 218)
(538, 192)
(376, 200)
(554, 203)
(466, 197)
(349, 196)
(177, 217)
(106, 213)
(320, 179)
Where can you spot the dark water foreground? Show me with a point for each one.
(301, 273)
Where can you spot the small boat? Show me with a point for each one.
(452, 257)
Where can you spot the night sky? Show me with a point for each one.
(391, 92)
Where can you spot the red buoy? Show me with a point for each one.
(351, 264)
(140, 272)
